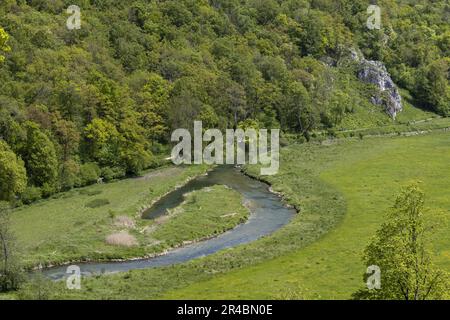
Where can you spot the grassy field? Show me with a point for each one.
(202, 215)
(367, 174)
(74, 225)
(342, 191)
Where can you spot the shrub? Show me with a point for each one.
(89, 172)
(37, 288)
(156, 162)
(31, 194)
(331, 133)
(111, 173)
(11, 275)
(48, 189)
(284, 142)
(69, 176)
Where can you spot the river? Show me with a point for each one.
(268, 213)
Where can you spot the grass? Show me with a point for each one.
(75, 224)
(366, 115)
(321, 209)
(202, 215)
(368, 175)
(342, 191)
(371, 120)
(409, 128)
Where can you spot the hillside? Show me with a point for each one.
(102, 100)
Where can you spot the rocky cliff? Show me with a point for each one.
(375, 72)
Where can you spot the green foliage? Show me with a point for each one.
(69, 175)
(111, 91)
(31, 194)
(13, 179)
(102, 137)
(89, 173)
(10, 272)
(109, 174)
(3, 43)
(39, 154)
(433, 86)
(400, 250)
(36, 288)
(413, 42)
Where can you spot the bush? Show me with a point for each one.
(331, 133)
(31, 194)
(11, 275)
(11, 279)
(284, 142)
(157, 162)
(69, 176)
(37, 288)
(89, 172)
(109, 173)
(48, 189)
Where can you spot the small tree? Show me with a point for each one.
(399, 250)
(13, 177)
(36, 288)
(10, 273)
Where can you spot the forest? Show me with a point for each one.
(101, 101)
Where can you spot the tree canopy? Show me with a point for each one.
(109, 93)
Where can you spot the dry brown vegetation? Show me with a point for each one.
(122, 238)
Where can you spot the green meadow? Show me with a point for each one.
(202, 215)
(367, 174)
(342, 191)
(73, 226)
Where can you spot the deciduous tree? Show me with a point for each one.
(13, 178)
(400, 250)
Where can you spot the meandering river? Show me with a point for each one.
(268, 213)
